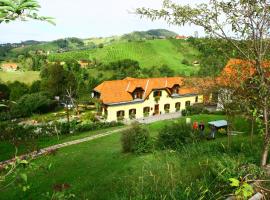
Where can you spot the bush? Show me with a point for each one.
(96, 126)
(185, 62)
(32, 103)
(174, 136)
(136, 140)
(194, 110)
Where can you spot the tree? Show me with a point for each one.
(4, 91)
(55, 80)
(11, 10)
(245, 25)
(17, 90)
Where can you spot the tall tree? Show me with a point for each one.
(245, 24)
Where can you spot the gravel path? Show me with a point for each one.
(59, 146)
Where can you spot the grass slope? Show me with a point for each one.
(98, 169)
(25, 77)
(149, 53)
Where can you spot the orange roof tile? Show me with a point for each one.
(10, 65)
(118, 91)
(236, 71)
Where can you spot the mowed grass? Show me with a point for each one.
(99, 170)
(149, 53)
(26, 77)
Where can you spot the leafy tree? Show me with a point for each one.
(247, 21)
(4, 91)
(35, 86)
(55, 80)
(11, 10)
(17, 90)
(32, 103)
(166, 71)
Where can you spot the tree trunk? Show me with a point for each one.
(266, 137)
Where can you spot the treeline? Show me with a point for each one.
(21, 100)
(215, 53)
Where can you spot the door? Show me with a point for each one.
(156, 109)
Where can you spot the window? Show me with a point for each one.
(177, 106)
(146, 109)
(132, 113)
(175, 89)
(167, 108)
(137, 95)
(157, 93)
(187, 103)
(196, 99)
(120, 114)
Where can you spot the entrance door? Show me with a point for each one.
(156, 109)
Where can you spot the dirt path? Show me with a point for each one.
(59, 146)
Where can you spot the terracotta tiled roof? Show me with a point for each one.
(9, 65)
(236, 71)
(117, 91)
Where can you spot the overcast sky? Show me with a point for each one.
(88, 18)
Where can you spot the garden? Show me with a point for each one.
(138, 165)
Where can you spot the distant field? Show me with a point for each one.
(26, 77)
(149, 53)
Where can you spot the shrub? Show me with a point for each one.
(175, 136)
(96, 126)
(194, 109)
(185, 62)
(32, 103)
(136, 140)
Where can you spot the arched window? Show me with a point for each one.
(146, 111)
(177, 106)
(132, 113)
(167, 108)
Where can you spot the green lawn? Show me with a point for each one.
(99, 170)
(25, 77)
(8, 149)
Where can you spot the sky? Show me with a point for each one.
(88, 18)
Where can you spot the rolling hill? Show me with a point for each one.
(177, 54)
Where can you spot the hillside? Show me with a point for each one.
(151, 34)
(177, 54)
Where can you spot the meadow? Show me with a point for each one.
(99, 170)
(26, 77)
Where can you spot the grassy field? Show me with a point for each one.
(25, 77)
(149, 53)
(99, 170)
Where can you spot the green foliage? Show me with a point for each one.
(32, 103)
(17, 90)
(148, 53)
(11, 10)
(136, 140)
(194, 110)
(35, 87)
(96, 126)
(4, 91)
(150, 34)
(55, 80)
(175, 136)
(185, 62)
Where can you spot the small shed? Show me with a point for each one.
(219, 124)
